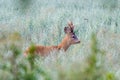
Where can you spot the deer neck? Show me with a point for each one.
(65, 44)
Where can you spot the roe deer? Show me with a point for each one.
(69, 39)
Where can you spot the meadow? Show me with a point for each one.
(26, 23)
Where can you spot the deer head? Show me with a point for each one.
(69, 31)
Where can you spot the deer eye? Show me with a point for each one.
(73, 36)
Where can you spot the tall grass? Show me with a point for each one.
(60, 66)
(42, 22)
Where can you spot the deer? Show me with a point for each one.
(69, 39)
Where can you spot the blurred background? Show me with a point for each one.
(26, 23)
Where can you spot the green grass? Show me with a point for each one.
(42, 22)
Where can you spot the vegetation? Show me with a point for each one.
(42, 22)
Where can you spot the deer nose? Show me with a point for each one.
(78, 41)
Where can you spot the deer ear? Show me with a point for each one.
(65, 29)
(68, 30)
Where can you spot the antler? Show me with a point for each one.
(70, 24)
